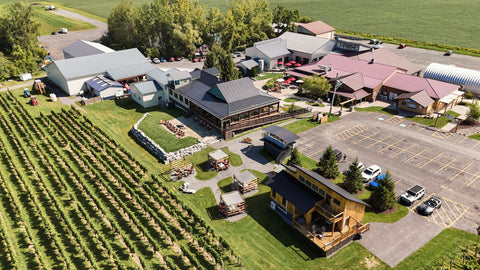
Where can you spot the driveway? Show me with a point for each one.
(55, 43)
(394, 242)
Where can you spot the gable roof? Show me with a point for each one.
(330, 185)
(373, 73)
(408, 83)
(420, 97)
(83, 48)
(125, 72)
(317, 27)
(97, 64)
(196, 73)
(180, 75)
(245, 176)
(158, 75)
(249, 64)
(282, 133)
(305, 43)
(293, 191)
(354, 81)
(147, 87)
(387, 57)
(273, 48)
(236, 90)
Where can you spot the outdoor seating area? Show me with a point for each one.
(218, 160)
(245, 181)
(231, 204)
(181, 172)
(176, 129)
(203, 123)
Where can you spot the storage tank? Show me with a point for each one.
(469, 79)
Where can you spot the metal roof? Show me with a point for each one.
(101, 83)
(387, 57)
(245, 176)
(197, 72)
(83, 48)
(317, 27)
(180, 75)
(273, 48)
(330, 185)
(237, 89)
(125, 72)
(249, 64)
(97, 64)
(158, 75)
(147, 87)
(420, 97)
(295, 192)
(469, 79)
(282, 133)
(305, 43)
(232, 198)
(408, 83)
(218, 154)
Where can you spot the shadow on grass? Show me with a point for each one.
(213, 213)
(129, 104)
(254, 152)
(204, 172)
(258, 209)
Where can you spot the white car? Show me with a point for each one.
(156, 60)
(361, 167)
(370, 173)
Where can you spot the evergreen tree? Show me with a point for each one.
(327, 165)
(211, 61)
(228, 71)
(383, 197)
(353, 178)
(294, 158)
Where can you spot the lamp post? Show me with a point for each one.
(338, 83)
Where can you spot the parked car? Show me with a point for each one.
(374, 183)
(26, 92)
(54, 33)
(238, 54)
(171, 59)
(361, 167)
(448, 53)
(377, 46)
(339, 156)
(178, 58)
(373, 41)
(427, 207)
(184, 188)
(370, 173)
(148, 60)
(156, 60)
(163, 60)
(401, 46)
(63, 30)
(412, 194)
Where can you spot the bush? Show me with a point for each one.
(469, 95)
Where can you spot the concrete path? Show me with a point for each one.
(393, 242)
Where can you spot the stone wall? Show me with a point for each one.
(157, 151)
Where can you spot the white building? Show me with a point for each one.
(84, 48)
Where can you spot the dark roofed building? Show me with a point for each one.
(279, 142)
(320, 210)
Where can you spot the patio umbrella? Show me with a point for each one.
(288, 64)
(292, 80)
(292, 62)
(297, 64)
(299, 81)
(280, 80)
(279, 63)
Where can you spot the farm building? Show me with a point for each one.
(468, 79)
(279, 142)
(247, 66)
(103, 87)
(146, 93)
(290, 46)
(71, 74)
(317, 28)
(231, 204)
(84, 48)
(324, 213)
(245, 181)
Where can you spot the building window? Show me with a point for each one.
(315, 188)
(177, 82)
(284, 201)
(308, 183)
(412, 106)
(337, 202)
(321, 192)
(403, 103)
(274, 194)
(302, 179)
(410, 101)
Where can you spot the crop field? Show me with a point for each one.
(72, 198)
(446, 22)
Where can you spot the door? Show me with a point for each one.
(391, 96)
(328, 198)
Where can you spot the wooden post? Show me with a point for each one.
(436, 120)
(458, 123)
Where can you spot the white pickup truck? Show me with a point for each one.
(412, 194)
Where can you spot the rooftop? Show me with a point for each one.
(282, 133)
(83, 48)
(232, 198)
(435, 89)
(317, 27)
(245, 176)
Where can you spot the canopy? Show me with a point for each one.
(280, 80)
(218, 154)
(288, 64)
(297, 64)
(299, 81)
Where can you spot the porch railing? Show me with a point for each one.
(265, 120)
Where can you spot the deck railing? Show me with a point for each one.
(265, 120)
(328, 213)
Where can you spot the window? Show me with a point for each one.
(410, 101)
(274, 194)
(315, 188)
(403, 103)
(302, 179)
(308, 183)
(321, 192)
(412, 106)
(177, 82)
(337, 202)
(284, 201)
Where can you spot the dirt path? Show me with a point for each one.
(55, 43)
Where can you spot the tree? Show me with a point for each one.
(5, 68)
(474, 112)
(123, 26)
(353, 178)
(316, 86)
(228, 71)
(383, 197)
(211, 60)
(284, 19)
(327, 165)
(294, 158)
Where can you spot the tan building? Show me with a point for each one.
(317, 28)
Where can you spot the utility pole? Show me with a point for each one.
(338, 83)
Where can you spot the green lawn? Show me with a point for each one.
(225, 184)
(267, 155)
(307, 123)
(45, 104)
(475, 136)
(315, 104)
(267, 75)
(442, 121)
(372, 216)
(291, 100)
(159, 134)
(200, 161)
(441, 249)
(50, 22)
(377, 109)
(235, 159)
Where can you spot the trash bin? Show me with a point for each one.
(53, 97)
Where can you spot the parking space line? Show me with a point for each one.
(471, 182)
(394, 120)
(308, 146)
(315, 152)
(462, 170)
(417, 154)
(459, 142)
(378, 141)
(405, 149)
(398, 181)
(446, 165)
(442, 219)
(476, 145)
(426, 163)
(441, 135)
(391, 145)
(459, 216)
(366, 137)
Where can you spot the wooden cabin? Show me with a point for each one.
(231, 204)
(219, 160)
(245, 181)
(326, 214)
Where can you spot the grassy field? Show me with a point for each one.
(377, 109)
(438, 21)
(307, 123)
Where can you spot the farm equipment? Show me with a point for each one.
(26, 93)
(33, 100)
(39, 87)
